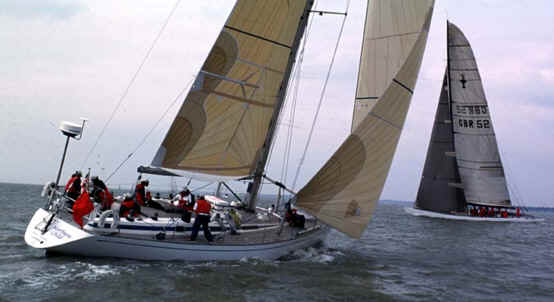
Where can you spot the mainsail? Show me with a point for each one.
(439, 188)
(223, 123)
(477, 153)
(345, 191)
(391, 29)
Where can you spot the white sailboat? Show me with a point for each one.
(463, 177)
(226, 127)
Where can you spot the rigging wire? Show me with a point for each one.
(202, 187)
(518, 197)
(131, 82)
(177, 98)
(294, 72)
(310, 135)
(292, 115)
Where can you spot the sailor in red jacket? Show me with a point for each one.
(101, 194)
(140, 192)
(202, 209)
(73, 186)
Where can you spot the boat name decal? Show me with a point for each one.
(54, 230)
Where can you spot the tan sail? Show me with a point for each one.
(391, 30)
(345, 191)
(224, 119)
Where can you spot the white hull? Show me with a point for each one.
(418, 212)
(65, 238)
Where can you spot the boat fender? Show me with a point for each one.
(160, 236)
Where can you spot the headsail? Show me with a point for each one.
(222, 125)
(439, 188)
(477, 153)
(391, 29)
(345, 191)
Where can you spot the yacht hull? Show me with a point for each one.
(423, 213)
(81, 243)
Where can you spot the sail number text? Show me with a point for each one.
(472, 109)
(480, 124)
(478, 116)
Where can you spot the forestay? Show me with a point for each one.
(477, 153)
(345, 191)
(391, 30)
(224, 120)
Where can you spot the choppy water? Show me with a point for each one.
(399, 258)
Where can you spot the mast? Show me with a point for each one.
(254, 187)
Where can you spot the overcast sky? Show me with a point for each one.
(64, 59)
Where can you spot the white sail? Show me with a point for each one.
(391, 30)
(344, 193)
(477, 153)
(223, 123)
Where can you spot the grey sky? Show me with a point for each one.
(65, 59)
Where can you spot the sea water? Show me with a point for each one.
(399, 258)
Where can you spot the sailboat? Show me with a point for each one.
(463, 177)
(226, 127)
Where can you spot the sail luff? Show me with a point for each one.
(222, 125)
(345, 190)
(266, 148)
(477, 154)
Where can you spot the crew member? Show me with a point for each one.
(129, 207)
(140, 191)
(101, 194)
(73, 186)
(184, 200)
(202, 209)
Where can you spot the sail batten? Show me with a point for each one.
(222, 125)
(345, 190)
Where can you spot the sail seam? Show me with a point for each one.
(367, 98)
(478, 169)
(403, 86)
(257, 37)
(384, 120)
(397, 35)
(477, 161)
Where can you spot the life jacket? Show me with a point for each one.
(517, 212)
(148, 195)
(140, 193)
(203, 207)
